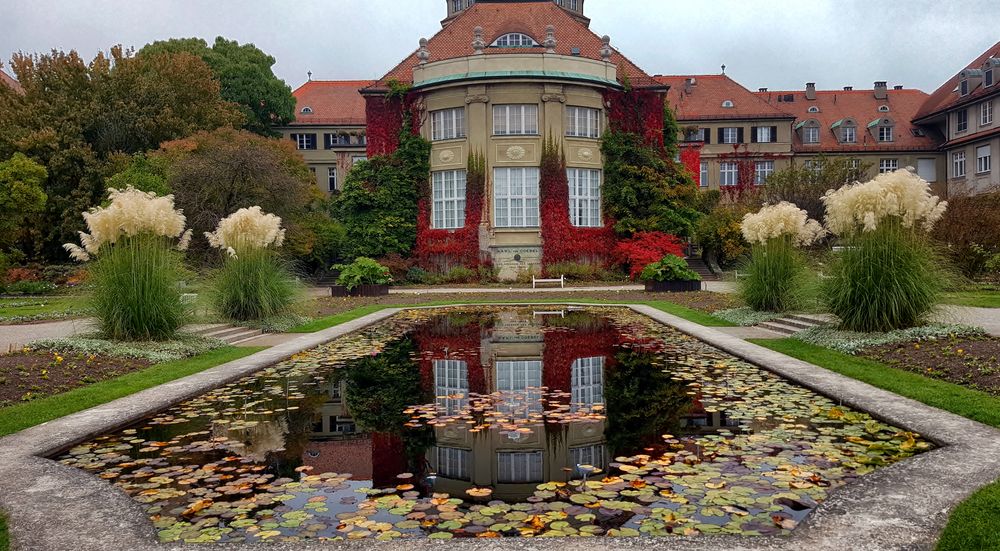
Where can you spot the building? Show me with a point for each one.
(329, 129)
(733, 124)
(498, 79)
(9, 81)
(872, 127)
(962, 111)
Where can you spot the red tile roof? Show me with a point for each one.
(708, 92)
(863, 108)
(8, 80)
(332, 102)
(947, 96)
(530, 17)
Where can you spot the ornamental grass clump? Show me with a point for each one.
(889, 276)
(776, 273)
(254, 283)
(137, 269)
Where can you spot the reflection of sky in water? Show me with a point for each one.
(629, 425)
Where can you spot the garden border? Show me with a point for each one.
(902, 506)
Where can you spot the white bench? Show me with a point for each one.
(561, 281)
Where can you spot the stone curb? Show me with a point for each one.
(903, 506)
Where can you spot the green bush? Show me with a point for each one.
(253, 285)
(30, 288)
(136, 289)
(721, 235)
(776, 277)
(363, 271)
(885, 279)
(670, 268)
(582, 271)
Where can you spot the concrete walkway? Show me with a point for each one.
(987, 318)
(714, 286)
(13, 337)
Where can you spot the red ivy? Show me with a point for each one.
(637, 112)
(443, 340)
(645, 248)
(746, 167)
(561, 240)
(563, 347)
(385, 115)
(444, 249)
(691, 159)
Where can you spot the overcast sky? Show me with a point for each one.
(778, 44)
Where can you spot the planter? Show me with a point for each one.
(672, 286)
(338, 291)
(370, 291)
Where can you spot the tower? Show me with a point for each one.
(456, 7)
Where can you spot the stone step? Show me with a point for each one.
(779, 327)
(814, 320)
(795, 322)
(228, 334)
(246, 336)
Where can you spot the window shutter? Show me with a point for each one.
(706, 134)
(722, 138)
(774, 134)
(739, 135)
(753, 134)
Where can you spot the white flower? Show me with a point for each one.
(247, 228)
(131, 212)
(900, 194)
(781, 220)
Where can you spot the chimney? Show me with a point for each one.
(881, 89)
(689, 84)
(810, 90)
(848, 88)
(897, 87)
(762, 89)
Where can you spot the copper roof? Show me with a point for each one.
(335, 102)
(528, 17)
(707, 93)
(947, 96)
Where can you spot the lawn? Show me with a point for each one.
(41, 308)
(979, 299)
(973, 525)
(22, 416)
(4, 538)
(690, 314)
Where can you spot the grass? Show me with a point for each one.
(22, 416)
(4, 538)
(972, 404)
(979, 299)
(684, 312)
(973, 525)
(40, 307)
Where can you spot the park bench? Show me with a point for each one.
(561, 280)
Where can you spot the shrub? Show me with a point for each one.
(460, 274)
(30, 288)
(970, 230)
(670, 268)
(137, 272)
(253, 283)
(646, 248)
(363, 271)
(888, 277)
(805, 186)
(15, 275)
(581, 271)
(776, 270)
(720, 234)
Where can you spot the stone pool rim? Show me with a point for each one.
(905, 505)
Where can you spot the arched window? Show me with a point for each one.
(514, 40)
(814, 109)
(728, 104)
(307, 110)
(883, 108)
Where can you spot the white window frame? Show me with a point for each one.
(730, 135)
(355, 159)
(331, 178)
(594, 455)
(519, 381)
(958, 166)
(763, 134)
(729, 173)
(451, 378)
(519, 467)
(703, 174)
(885, 134)
(447, 124)
(810, 134)
(302, 141)
(762, 171)
(515, 119)
(984, 159)
(448, 199)
(583, 122)
(986, 113)
(888, 165)
(453, 463)
(514, 40)
(988, 79)
(848, 134)
(962, 120)
(584, 197)
(515, 197)
(587, 382)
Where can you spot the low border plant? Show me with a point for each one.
(363, 271)
(183, 346)
(669, 268)
(852, 342)
(746, 316)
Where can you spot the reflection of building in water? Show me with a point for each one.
(333, 420)
(702, 422)
(513, 355)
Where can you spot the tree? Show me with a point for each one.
(805, 185)
(143, 173)
(213, 174)
(78, 118)
(21, 196)
(246, 78)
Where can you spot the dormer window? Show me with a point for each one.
(882, 129)
(989, 73)
(307, 111)
(514, 40)
(963, 87)
(813, 109)
(728, 104)
(809, 131)
(883, 108)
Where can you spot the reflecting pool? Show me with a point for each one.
(495, 422)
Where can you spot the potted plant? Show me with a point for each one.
(364, 277)
(671, 274)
